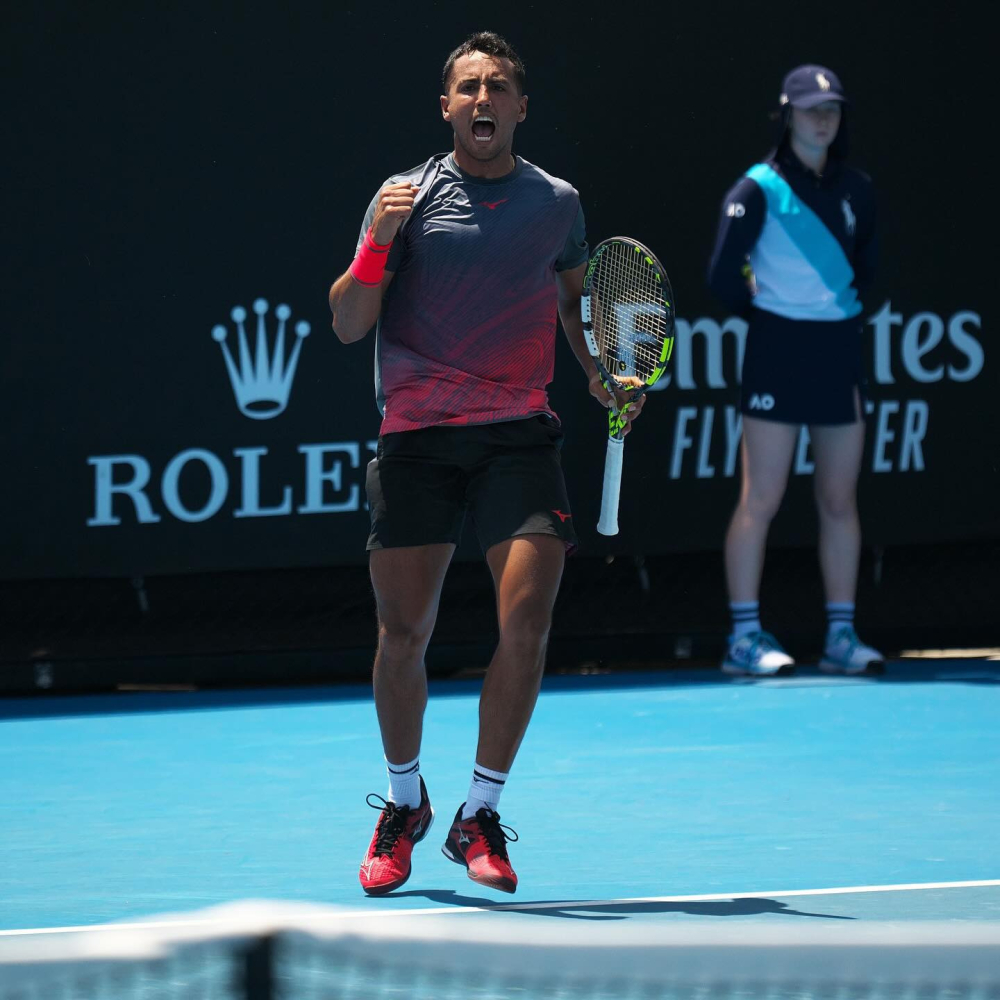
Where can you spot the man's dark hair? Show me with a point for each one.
(491, 44)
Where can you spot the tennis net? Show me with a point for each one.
(279, 951)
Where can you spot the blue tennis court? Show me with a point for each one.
(662, 795)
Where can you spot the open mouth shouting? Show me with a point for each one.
(483, 128)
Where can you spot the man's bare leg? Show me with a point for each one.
(407, 583)
(526, 573)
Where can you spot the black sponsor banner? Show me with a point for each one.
(174, 397)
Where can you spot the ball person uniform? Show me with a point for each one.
(794, 250)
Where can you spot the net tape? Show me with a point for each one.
(265, 951)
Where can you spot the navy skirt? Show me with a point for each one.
(802, 371)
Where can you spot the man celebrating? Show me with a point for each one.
(463, 263)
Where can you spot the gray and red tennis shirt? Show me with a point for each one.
(468, 326)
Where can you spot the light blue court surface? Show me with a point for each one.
(632, 794)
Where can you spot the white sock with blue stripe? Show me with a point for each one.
(484, 791)
(838, 614)
(404, 782)
(746, 617)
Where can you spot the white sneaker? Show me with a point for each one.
(845, 653)
(757, 654)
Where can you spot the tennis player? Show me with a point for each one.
(463, 262)
(795, 247)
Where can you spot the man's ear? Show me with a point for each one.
(445, 113)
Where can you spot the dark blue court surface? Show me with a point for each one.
(670, 795)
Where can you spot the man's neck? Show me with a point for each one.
(499, 166)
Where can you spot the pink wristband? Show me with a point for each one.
(369, 265)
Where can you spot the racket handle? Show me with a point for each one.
(608, 523)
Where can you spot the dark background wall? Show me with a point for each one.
(164, 164)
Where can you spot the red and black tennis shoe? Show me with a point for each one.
(480, 843)
(387, 864)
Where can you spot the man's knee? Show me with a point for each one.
(400, 639)
(526, 637)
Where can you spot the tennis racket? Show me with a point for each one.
(628, 322)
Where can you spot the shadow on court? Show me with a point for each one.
(595, 910)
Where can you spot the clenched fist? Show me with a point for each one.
(395, 202)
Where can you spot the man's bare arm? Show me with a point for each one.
(356, 307)
(570, 290)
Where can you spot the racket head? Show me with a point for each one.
(628, 314)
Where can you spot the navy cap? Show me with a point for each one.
(807, 86)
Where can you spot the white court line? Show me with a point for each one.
(576, 904)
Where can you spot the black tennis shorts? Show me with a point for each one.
(802, 371)
(507, 475)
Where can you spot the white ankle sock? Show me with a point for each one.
(838, 614)
(404, 783)
(746, 617)
(484, 791)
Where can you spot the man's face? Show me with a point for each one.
(483, 105)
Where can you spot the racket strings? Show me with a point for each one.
(630, 318)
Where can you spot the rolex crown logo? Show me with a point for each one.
(262, 381)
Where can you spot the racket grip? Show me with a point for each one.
(608, 523)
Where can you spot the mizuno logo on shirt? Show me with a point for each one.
(491, 205)
(562, 517)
